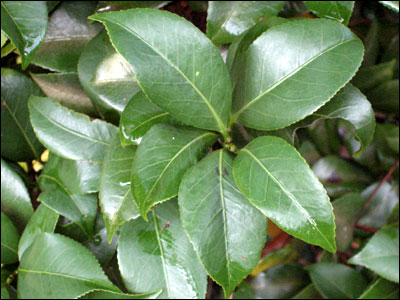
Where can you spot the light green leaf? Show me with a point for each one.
(283, 86)
(116, 199)
(115, 295)
(393, 5)
(278, 181)
(67, 35)
(337, 281)
(7, 49)
(161, 160)
(232, 233)
(337, 10)
(15, 200)
(67, 133)
(4, 38)
(25, 23)
(18, 141)
(158, 255)
(58, 267)
(381, 254)
(381, 289)
(43, 220)
(194, 84)
(9, 241)
(228, 19)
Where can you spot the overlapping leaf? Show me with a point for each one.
(381, 289)
(9, 241)
(337, 10)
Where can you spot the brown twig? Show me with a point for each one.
(244, 132)
(366, 228)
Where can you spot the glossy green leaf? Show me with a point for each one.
(138, 117)
(69, 134)
(115, 295)
(347, 210)
(25, 23)
(58, 267)
(309, 292)
(337, 281)
(161, 160)
(78, 176)
(278, 181)
(194, 84)
(228, 19)
(371, 77)
(337, 10)
(386, 96)
(106, 77)
(43, 220)
(67, 35)
(4, 38)
(66, 89)
(158, 255)
(15, 200)
(393, 5)
(106, 6)
(18, 141)
(315, 67)
(232, 233)
(323, 133)
(9, 241)
(116, 199)
(381, 254)
(371, 44)
(381, 289)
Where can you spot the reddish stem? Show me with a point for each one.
(366, 228)
(278, 242)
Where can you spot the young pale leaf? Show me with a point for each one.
(179, 70)
(278, 181)
(161, 160)
(337, 10)
(228, 19)
(9, 241)
(293, 69)
(138, 117)
(15, 200)
(67, 35)
(57, 267)
(337, 281)
(381, 254)
(115, 295)
(18, 141)
(67, 133)
(115, 195)
(25, 23)
(381, 289)
(233, 232)
(43, 220)
(106, 77)
(158, 255)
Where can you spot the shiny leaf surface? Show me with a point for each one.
(161, 160)
(18, 141)
(194, 83)
(9, 241)
(228, 19)
(116, 199)
(69, 134)
(25, 23)
(337, 10)
(381, 254)
(115, 295)
(210, 200)
(158, 255)
(393, 5)
(58, 267)
(277, 94)
(291, 195)
(337, 281)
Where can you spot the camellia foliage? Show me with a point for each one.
(220, 149)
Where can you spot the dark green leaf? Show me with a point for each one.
(106, 6)
(291, 195)
(386, 156)
(67, 35)
(337, 10)
(371, 44)
(25, 23)
(161, 160)
(58, 267)
(194, 84)
(381, 254)
(116, 200)
(392, 139)
(381, 289)
(337, 281)
(115, 295)
(386, 96)
(309, 292)
(158, 255)
(18, 141)
(393, 5)
(4, 291)
(273, 94)
(9, 241)
(209, 199)
(69, 134)
(15, 200)
(228, 19)
(43, 220)
(371, 77)
(393, 217)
